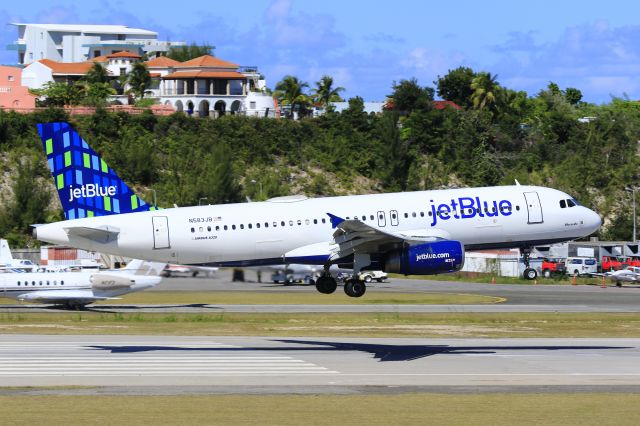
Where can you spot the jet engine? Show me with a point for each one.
(111, 281)
(426, 259)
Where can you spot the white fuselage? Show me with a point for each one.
(60, 287)
(264, 232)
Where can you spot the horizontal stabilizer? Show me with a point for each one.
(103, 234)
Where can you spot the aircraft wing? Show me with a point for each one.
(102, 234)
(354, 236)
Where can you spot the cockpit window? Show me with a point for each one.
(563, 204)
(570, 203)
(575, 202)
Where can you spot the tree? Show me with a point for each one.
(61, 94)
(96, 94)
(485, 90)
(290, 91)
(572, 95)
(408, 96)
(326, 93)
(139, 79)
(185, 53)
(97, 74)
(456, 86)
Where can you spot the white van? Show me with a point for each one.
(581, 265)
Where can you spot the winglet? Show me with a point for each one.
(86, 185)
(335, 220)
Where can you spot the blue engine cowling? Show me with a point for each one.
(426, 259)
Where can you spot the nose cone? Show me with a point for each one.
(592, 221)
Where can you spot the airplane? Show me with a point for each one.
(421, 233)
(7, 262)
(74, 290)
(630, 275)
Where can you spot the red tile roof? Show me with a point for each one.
(124, 54)
(207, 61)
(67, 68)
(230, 75)
(161, 62)
(444, 104)
(102, 58)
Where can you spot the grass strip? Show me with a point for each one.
(406, 409)
(293, 298)
(526, 325)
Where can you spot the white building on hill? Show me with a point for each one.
(78, 43)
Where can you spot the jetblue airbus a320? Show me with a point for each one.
(420, 233)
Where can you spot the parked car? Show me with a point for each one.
(551, 267)
(368, 276)
(581, 265)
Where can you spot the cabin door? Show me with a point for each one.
(160, 232)
(534, 208)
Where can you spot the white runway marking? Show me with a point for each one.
(148, 359)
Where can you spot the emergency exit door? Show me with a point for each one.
(160, 232)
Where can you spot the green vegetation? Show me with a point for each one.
(311, 297)
(496, 409)
(450, 325)
(191, 51)
(499, 135)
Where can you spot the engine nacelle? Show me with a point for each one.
(102, 281)
(426, 259)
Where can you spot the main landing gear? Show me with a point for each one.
(529, 272)
(326, 284)
(353, 287)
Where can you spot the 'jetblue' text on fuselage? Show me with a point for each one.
(469, 207)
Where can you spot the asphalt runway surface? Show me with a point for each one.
(175, 365)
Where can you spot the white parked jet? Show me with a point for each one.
(630, 274)
(408, 233)
(77, 289)
(7, 262)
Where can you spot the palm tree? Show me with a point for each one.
(290, 91)
(139, 79)
(325, 93)
(97, 74)
(485, 90)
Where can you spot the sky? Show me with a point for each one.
(366, 46)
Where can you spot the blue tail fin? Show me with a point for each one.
(86, 185)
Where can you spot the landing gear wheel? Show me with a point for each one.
(326, 284)
(530, 273)
(354, 288)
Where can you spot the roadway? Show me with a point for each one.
(174, 364)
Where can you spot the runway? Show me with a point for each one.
(228, 362)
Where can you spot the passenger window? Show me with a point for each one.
(299, 222)
(249, 226)
(306, 221)
(518, 208)
(200, 229)
(324, 220)
(266, 224)
(225, 227)
(193, 230)
(421, 214)
(371, 217)
(33, 283)
(393, 216)
(61, 282)
(233, 227)
(217, 228)
(258, 225)
(241, 226)
(429, 213)
(290, 223)
(315, 221)
(18, 282)
(406, 215)
(282, 223)
(413, 214)
(563, 204)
